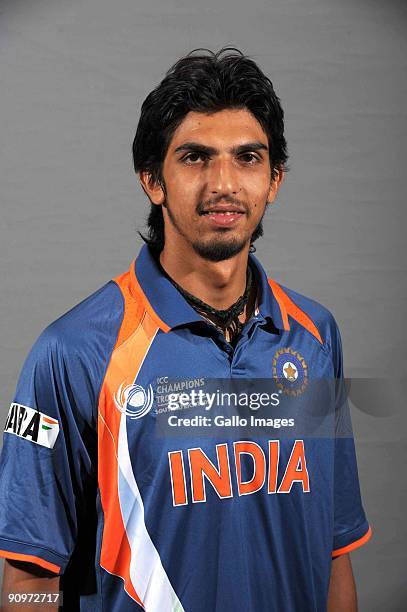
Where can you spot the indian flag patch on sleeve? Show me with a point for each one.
(32, 425)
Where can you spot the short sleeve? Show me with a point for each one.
(48, 456)
(351, 528)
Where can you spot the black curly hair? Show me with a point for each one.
(206, 83)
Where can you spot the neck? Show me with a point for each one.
(218, 284)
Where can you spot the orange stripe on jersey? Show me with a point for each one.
(278, 294)
(133, 307)
(288, 307)
(136, 288)
(356, 544)
(138, 330)
(31, 559)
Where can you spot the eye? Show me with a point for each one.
(192, 158)
(249, 158)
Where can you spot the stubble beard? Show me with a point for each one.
(216, 249)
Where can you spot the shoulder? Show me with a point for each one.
(67, 363)
(77, 346)
(95, 319)
(303, 310)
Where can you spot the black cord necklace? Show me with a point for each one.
(226, 319)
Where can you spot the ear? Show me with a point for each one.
(152, 189)
(275, 185)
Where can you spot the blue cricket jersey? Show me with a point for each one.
(135, 520)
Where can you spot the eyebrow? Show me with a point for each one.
(201, 148)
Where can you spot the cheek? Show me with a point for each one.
(182, 200)
(183, 193)
(258, 199)
(257, 188)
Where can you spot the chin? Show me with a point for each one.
(219, 250)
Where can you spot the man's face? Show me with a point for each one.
(217, 180)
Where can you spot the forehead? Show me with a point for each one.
(226, 126)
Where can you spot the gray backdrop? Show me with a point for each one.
(73, 76)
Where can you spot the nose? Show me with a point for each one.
(223, 177)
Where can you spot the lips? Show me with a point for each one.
(227, 216)
(224, 210)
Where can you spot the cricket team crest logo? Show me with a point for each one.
(133, 400)
(291, 371)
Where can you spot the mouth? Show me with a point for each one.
(222, 212)
(223, 217)
(223, 208)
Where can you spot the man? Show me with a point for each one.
(90, 490)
